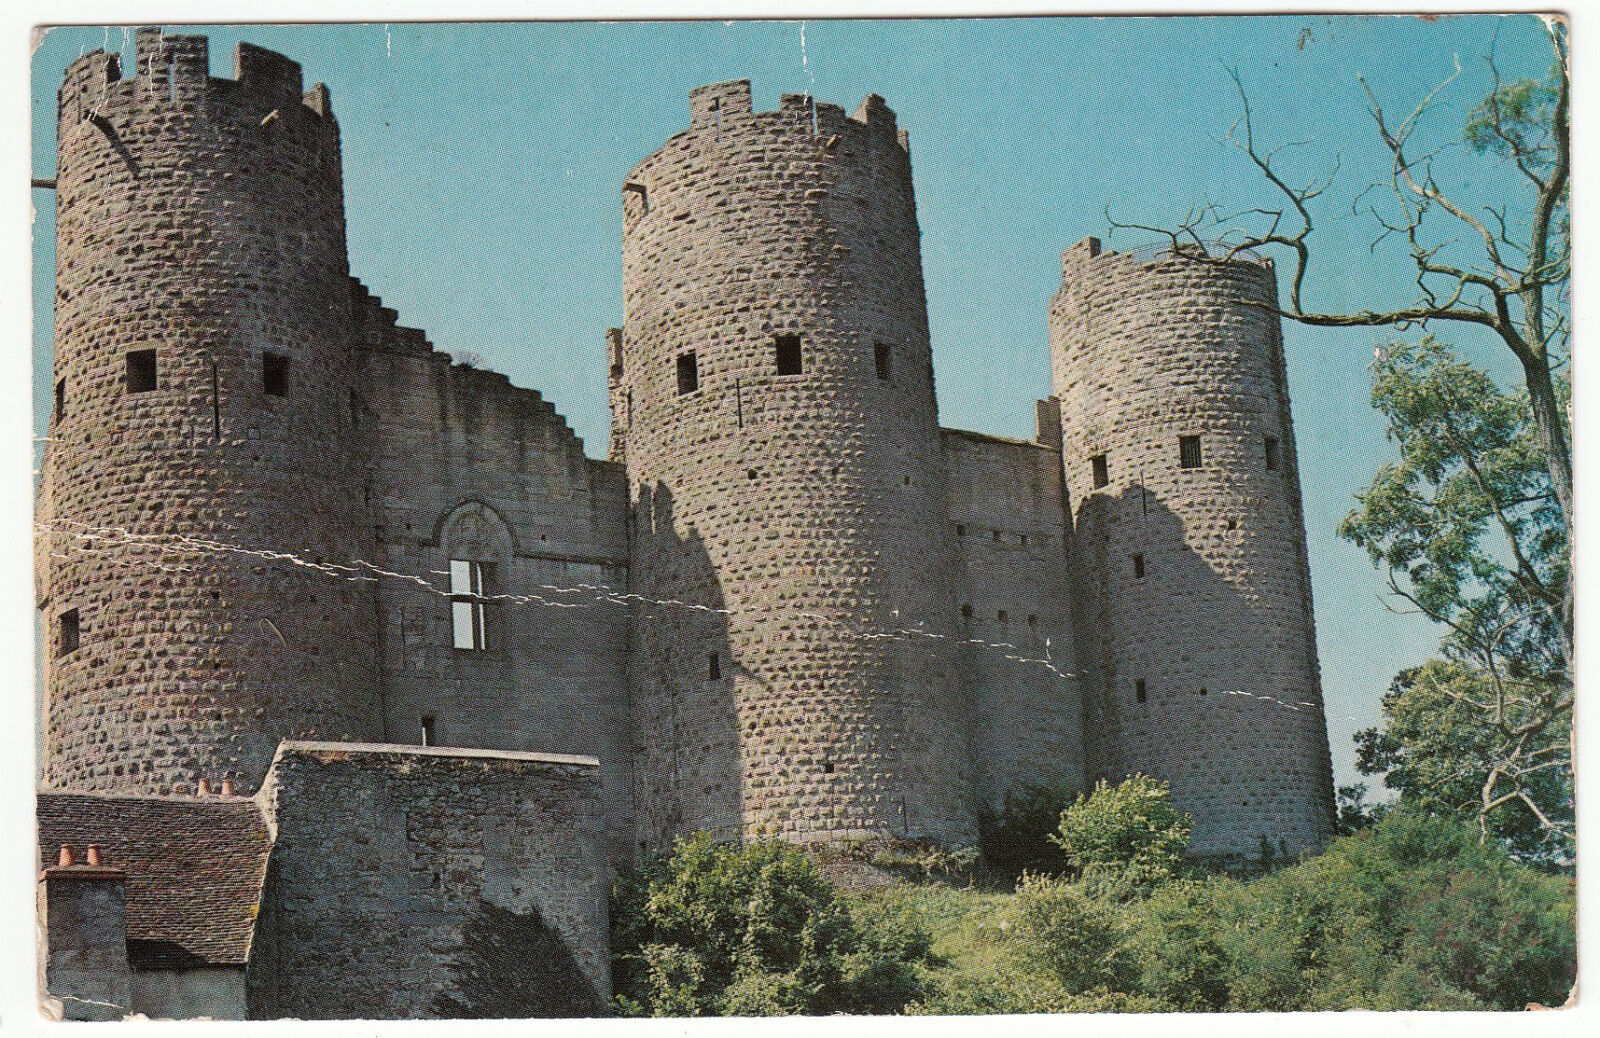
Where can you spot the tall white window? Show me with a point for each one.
(468, 611)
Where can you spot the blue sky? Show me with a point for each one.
(483, 164)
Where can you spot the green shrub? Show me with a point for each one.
(1073, 937)
(1130, 831)
(1410, 913)
(716, 929)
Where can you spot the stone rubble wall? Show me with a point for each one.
(203, 219)
(800, 510)
(1144, 352)
(407, 882)
(1006, 511)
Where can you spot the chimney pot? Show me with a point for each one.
(93, 857)
(205, 788)
(65, 857)
(227, 787)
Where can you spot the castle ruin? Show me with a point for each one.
(291, 551)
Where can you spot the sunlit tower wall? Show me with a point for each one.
(203, 368)
(774, 388)
(1195, 626)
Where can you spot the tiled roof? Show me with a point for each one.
(195, 865)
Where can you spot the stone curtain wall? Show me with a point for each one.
(1006, 510)
(806, 505)
(202, 219)
(468, 466)
(407, 882)
(1142, 354)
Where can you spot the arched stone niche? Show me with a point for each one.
(473, 530)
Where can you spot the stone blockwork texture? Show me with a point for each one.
(408, 882)
(1016, 607)
(201, 219)
(1219, 628)
(467, 466)
(787, 605)
(796, 513)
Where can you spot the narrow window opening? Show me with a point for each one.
(468, 610)
(141, 371)
(1138, 565)
(714, 665)
(1138, 690)
(1189, 452)
(1002, 616)
(1033, 620)
(961, 529)
(688, 373)
(640, 193)
(1102, 471)
(883, 359)
(997, 536)
(966, 611)
(61, 400)
(1022, 539)
(428, 736)
(68, 633)
(274, 374)
(786, 349)
(906, 480)
(1272, 454)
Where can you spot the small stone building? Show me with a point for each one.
(453, 671)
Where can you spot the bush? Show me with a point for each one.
(1074, 938)
(1130, 831)
(1410, 913)
(716, 929)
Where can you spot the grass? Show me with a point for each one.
(965, 923)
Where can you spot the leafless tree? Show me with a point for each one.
(1504, 268)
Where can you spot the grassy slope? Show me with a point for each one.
(966, 929)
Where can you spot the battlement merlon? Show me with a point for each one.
(177, 69)
(709, 103)
(714, 102)
(1077, 255)
(1088, 250)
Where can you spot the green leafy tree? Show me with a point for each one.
(1441, 747)
(1129, 832)
(717, 929)
(1470, 533)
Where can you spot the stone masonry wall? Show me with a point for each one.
(407, 882)
(1007, 512)
(467, 466)
(202, 219)
(1218, 630)
(790, 512)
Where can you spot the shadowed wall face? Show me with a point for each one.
(202, 350)
(407, 882)
(776, 402)
(1195, 599)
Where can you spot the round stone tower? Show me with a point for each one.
(203, 367)
(1196, 629)
(774, 391)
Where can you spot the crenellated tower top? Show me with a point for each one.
(176, 69)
